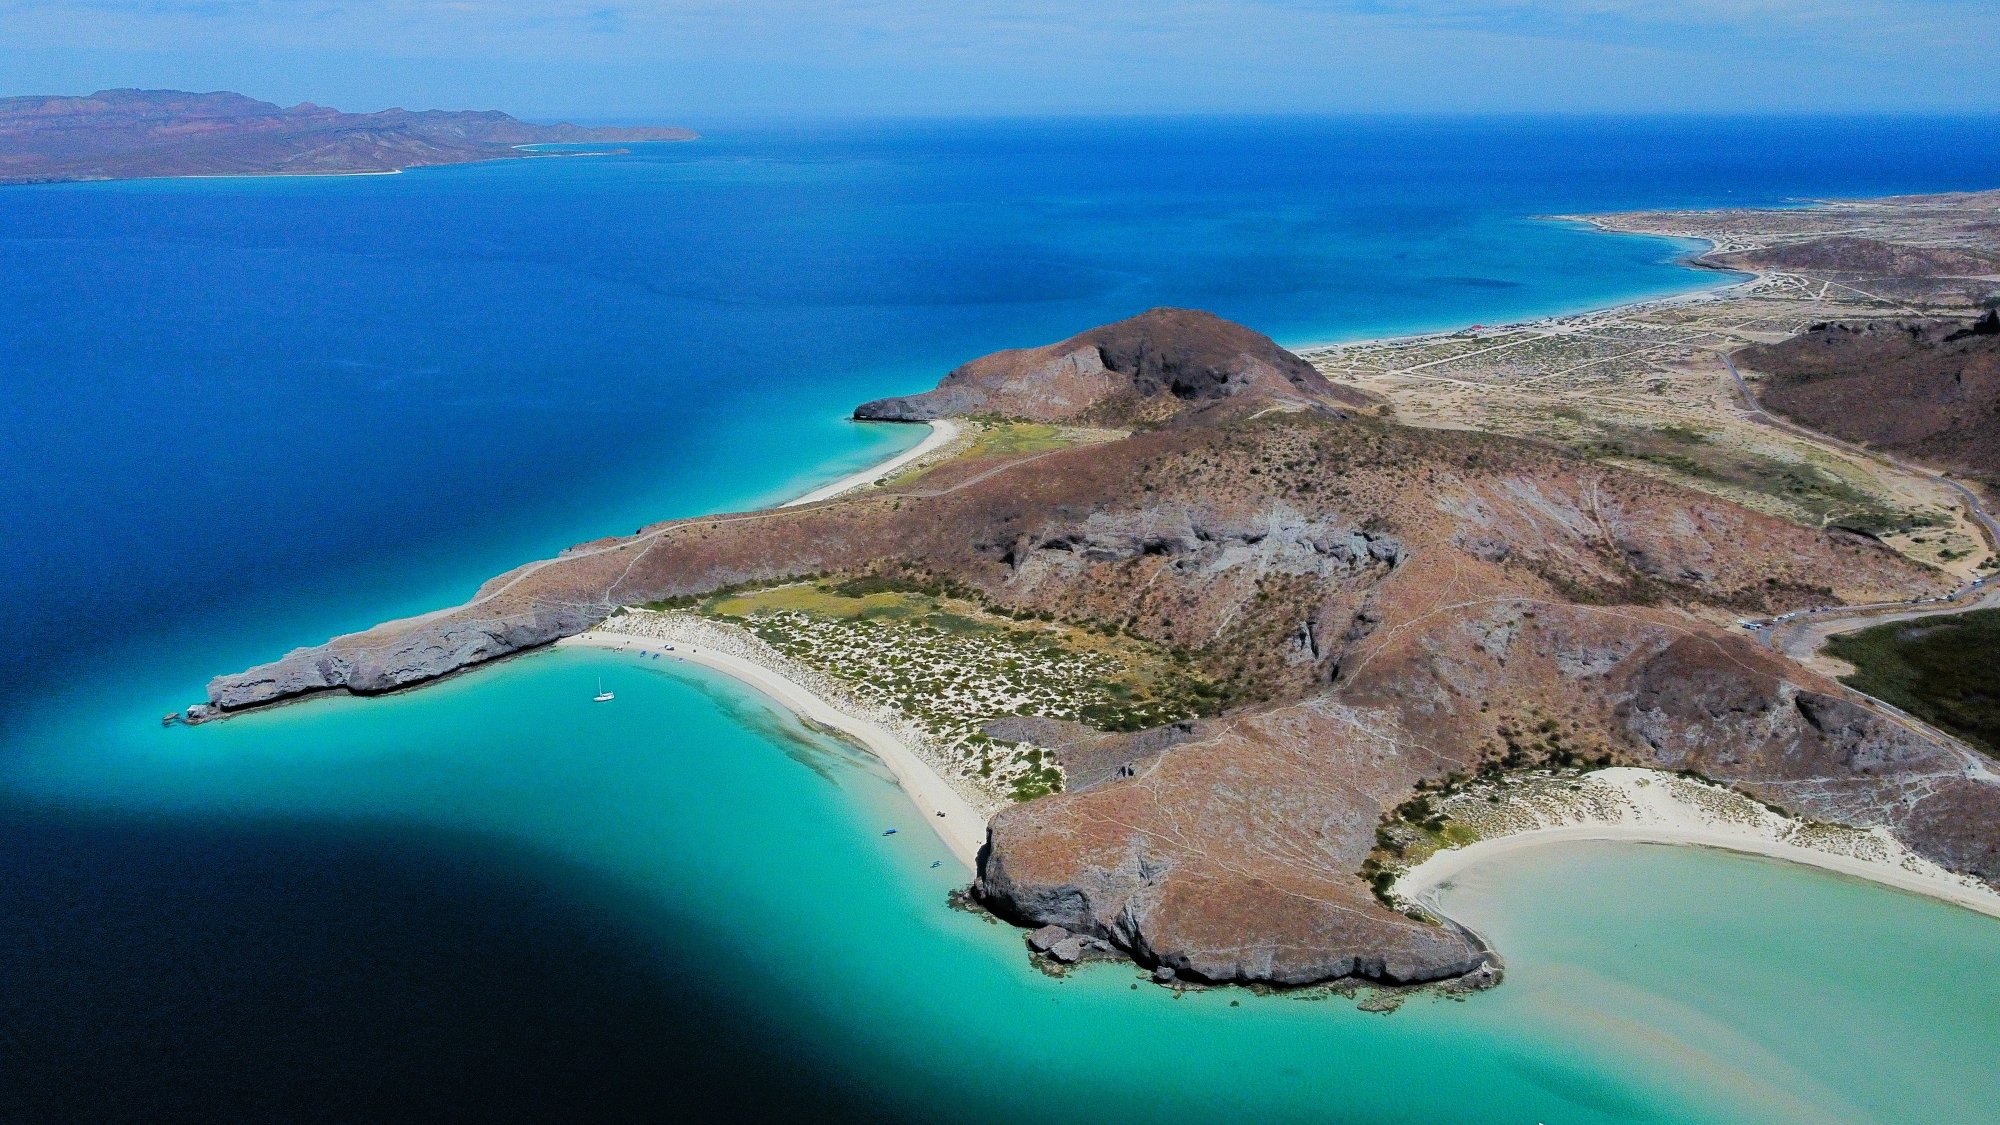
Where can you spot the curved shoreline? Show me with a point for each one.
(1691, 262)
(1436, 873)
(1653, 812)
(942, 431)
(955, 821)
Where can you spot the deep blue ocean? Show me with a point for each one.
(240, 415)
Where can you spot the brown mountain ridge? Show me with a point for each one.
(1927, 388)
(1148, 368)
(132, 134)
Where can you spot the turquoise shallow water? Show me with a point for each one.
(242, 415)
(1645, 984)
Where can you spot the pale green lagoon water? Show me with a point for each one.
(1645, 984)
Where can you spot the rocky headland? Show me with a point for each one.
(1382, 607)
(132, 134)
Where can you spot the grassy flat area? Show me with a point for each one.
(1816, 493)
(952, 665)
(1019, 437)
(1941, 669)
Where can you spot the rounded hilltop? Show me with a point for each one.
(1163, 363)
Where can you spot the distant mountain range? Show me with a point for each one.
(132, 134)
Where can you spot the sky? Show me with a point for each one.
(689, 61)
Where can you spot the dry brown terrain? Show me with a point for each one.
(1926, 388)
(1646, 387)
(129, 134)
(1382, 605)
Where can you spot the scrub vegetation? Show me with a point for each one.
(1940, 669)
(1009, 438)
(941, 658)
(1815, 493)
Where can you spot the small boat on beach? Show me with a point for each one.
(602, 696)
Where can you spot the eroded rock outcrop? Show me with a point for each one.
(1734, 712)
(1230, 856)
(1273, 540)
(398, 654)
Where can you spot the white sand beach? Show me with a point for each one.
(956, 822)
(960, 826)
(1651, 807)
(942, 432)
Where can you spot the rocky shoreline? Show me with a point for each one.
(1382, 609)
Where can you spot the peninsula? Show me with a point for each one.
(133, 134)
(1223, 641)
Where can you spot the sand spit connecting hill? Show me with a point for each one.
(1381, 606)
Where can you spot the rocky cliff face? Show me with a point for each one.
(1229, 857)
(1382, 605)
(1737, 713)
(1143, 369)
(401, 653)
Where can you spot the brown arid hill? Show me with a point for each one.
(1381, 605)
(1929, 389)
(132, 134)
(1865, 257)
(1145, 369)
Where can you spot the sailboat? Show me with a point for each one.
(602, 696)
